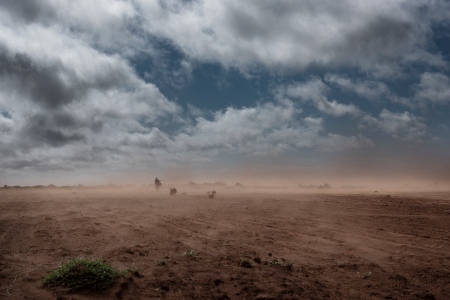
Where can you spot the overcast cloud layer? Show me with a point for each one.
(96, 89)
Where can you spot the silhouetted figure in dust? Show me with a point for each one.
(158, 184)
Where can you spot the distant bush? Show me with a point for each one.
(173, 191)
(324, 186)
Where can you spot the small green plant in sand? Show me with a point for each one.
(281, 262)
(342, 263)
(134, 270)
(81, 274)
(246, 263)
(160, 262)
(190, 253)
(365, 275)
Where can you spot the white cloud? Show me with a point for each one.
(119, 141)
(314, 91)
(295, 35)
(368, 89)
(404, 126)
(242, 130)
(116, 118)
(78, 103)
(6, 124)
(271, 128)
(433, 88)
(376, 36)
(109, 26)
(175, 77)
(65, 97)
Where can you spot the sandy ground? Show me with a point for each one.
(342, 246)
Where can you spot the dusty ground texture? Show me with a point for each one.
(238, 245)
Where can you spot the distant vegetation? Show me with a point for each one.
(158, 184)
(324, 186)
(217, 183)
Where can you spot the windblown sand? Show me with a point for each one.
(341, 246)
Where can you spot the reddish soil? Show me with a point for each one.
(237, 245)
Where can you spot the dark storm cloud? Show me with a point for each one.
(40, 83)
(52, 84)
(41, 165)
(18, 164)
(65, 120)
(268, 19)
(50, 130)
(381, 39)
(29, 10)
(6, 150)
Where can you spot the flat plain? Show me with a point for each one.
(241, 244)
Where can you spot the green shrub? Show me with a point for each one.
(81, 274)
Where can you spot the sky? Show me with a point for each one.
(257, 91)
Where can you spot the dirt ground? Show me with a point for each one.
(241, 244)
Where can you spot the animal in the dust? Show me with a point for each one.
(173, 191)
(211, 194)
